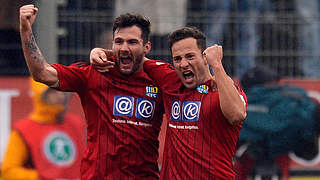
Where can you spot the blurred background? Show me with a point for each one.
(282, 35)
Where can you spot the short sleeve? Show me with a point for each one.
(74, 77)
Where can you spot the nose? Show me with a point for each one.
(184, 63)
(124, 47)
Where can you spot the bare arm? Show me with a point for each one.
(40, 70)
(232, 105)
(99, 59)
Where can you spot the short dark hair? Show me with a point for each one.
(128, 20)
(187, 32)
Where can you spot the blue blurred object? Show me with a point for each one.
(280, 119)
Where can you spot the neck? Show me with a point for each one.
(206, 77)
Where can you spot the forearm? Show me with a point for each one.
(39, 68)
(232, 106)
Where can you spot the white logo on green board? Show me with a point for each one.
(59, 149)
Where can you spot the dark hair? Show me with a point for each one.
(187, 32)
(128, 20)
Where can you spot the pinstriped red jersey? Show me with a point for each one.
(123, 115)
(200, 142)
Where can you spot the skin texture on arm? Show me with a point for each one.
(231, 103)
(99, 59)
(40, 70)
(15, 158)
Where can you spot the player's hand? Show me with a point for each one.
(28, 14)
(213, 55)
(99, 59)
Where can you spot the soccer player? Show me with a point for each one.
(205, 112)
(122, 107)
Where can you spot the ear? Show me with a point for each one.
(147, 47)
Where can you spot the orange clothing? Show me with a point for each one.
(15, 158)
(17, 155)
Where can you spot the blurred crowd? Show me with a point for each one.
(278, 33)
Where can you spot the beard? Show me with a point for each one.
(135, 67)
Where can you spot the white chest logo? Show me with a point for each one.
(59, 149)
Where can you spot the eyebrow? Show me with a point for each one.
(176, 57)
(132, 39)
(190, 54)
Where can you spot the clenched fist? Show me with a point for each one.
(213, 55)
(28, 15)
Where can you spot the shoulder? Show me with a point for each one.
(75, 121)
(80, 64)
(158, 64)
(23, 123)
(74, 118)
(77, 65)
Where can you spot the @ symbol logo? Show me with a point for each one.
(175, 110)
(123, 105)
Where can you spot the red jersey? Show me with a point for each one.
(123, 114)
(200, 142)
(56, 149)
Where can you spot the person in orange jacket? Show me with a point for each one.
(48, 144)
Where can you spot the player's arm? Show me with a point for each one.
(40, 70)
(159, 71)
(100, 59)
(232, 102)
(15, 158)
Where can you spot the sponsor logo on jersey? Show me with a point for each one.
(124, 106)
(145, 109)
(59, 149)
(203, 89)
(175, 111)
(152, 91)
(190, 111)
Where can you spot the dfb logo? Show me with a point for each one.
(175, 110)
(59, 149)
(123, 106)
(145, 109)
(191, 110)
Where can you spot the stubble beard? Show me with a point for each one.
(135, 67)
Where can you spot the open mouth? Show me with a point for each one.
(188, 75)
(125, 59)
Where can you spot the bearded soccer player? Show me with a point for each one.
(205, 112)
(122, 107)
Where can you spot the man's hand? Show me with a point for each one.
(28, 14)
(213, 55)
(99, 59)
